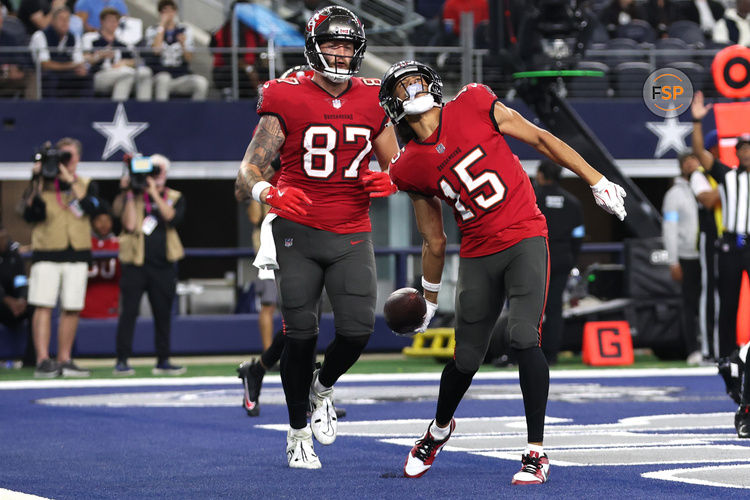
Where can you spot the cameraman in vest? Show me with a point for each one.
(149, 250)
(58, 204)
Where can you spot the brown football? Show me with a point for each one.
(404, 310)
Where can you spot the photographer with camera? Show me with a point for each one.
(149, 250)
(58, 203)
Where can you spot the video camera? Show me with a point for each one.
(51, 160)
(139, 168)
(554, 35)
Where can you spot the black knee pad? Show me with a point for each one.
(468, 360)
(523, 335)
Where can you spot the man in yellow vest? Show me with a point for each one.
(58, 204)
(149, 250)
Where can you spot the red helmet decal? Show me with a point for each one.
(315, 21)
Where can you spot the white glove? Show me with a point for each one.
(429, 313)
(609, 196)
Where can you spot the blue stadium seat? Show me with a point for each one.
(679, 51)
(687, 31)
(629, 78)
(694, 71)
(627, 44)
(590, 86)
(638, 30)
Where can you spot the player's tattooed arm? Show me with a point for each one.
(256, 165)
(510, 122)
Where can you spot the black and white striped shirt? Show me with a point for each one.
(734, 189)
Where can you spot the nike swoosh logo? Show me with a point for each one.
(356, 242)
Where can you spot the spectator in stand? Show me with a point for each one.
(453, 9)
(734, 27)
(64, 70)
(58, 205)
(660, 14)
(172, 45)
(14, 286)
(620, 12)
(247, 63)
(103, 290)
(16, 77)
(149, 250)
(705, 13)
(112, 64)
(90, 11)
(37, 14)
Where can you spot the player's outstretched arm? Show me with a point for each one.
(608, 195)
(265, 144)
(429, 215)
(699, 110)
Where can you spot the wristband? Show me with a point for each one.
(697, 120)
(430, 287)
(258, 190)
(129, 195)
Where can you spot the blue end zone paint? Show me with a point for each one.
(83, 452)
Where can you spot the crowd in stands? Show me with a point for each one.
(92, 47)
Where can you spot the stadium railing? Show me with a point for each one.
(458, 65)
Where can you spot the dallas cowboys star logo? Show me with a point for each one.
(671, 133)
(119, 132)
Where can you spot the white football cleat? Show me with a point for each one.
(534, 469)
(422, 455)
(299, 449)
(323, 417)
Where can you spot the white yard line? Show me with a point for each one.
(376, 377)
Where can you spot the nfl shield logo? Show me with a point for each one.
(288, 242)
(440, 148)
(336, 103)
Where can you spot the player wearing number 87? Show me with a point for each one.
(326, 128)
(457, 153)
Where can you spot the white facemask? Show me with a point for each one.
(417, 105)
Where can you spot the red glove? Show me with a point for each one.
(288, 199)
(378, 184)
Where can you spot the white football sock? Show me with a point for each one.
(439, 433)
(318, 387)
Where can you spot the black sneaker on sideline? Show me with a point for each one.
(48, 368)
(251, 383)
(742, 421)
(167, 368)
(123, 369)
(70, 369)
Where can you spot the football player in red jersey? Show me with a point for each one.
(318, 232)
(457, 153)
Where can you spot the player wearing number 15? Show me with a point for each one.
(326, 129)
(457, 153)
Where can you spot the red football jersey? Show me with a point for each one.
(103, 289)
(467, 163)
(328, 142)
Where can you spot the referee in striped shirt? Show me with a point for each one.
(734, 247)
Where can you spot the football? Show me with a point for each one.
(404, 310)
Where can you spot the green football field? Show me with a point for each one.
(369, 363)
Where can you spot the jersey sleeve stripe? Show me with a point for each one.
(492, 116)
